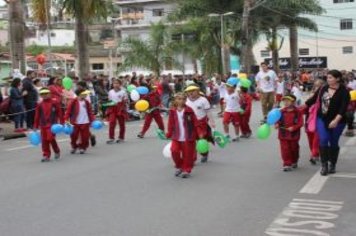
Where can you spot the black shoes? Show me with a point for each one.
(45, 159)
(324, 169)
(93, 140)
(57, 156)
(204, 159)
(178, 173)
(332, 169)
(140, 135)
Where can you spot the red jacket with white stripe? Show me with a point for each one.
(73, 111)
(190, 125)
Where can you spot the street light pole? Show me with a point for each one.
(222, 37)
(317, 48)
(49, 51)
(222, 45)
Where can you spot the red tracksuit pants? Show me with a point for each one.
(148, 120)
(184, 155)
(48, 140)
(245, 123)
(113, 119)
(203, 129)
(313, 140)
(289, 151)
(82, 132)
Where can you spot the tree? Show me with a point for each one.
(84, 11)
(199, 10)
(150, 54)
(281, 13)
(17, 34)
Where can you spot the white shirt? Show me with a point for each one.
(297, 93)
(180, 115)
(199, 106)
(232, 102)
(352, 85)
(280, 88)
(82, 117)
(222, 90)
(266, 80)
(117, 96)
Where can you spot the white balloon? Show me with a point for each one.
(135, 96)
(167, 153)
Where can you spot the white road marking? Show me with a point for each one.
(315, 184)
(344, 175)
(30, 146)
(306, 217)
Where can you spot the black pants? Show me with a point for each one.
(350, 120)
(30, 115)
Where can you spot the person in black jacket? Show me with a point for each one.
(31, 98)
(333, 99)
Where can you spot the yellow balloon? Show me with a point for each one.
(142, 105)
(353, 95)
(243, 76)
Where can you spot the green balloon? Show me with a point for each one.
(220, 139)
(263, 132)
(67, 83)
(202, 146)
(245, 83)
(130, 88)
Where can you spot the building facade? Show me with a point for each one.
(136, 17)
(333, 46)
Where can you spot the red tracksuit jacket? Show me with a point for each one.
(73, 111)
(291, 117)
(190, 125)
(48, 112)
(246, 103)
(153, 98)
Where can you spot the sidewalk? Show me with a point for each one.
(7, 131)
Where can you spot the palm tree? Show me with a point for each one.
(151, 54)
(84, 11)
(287, 14)
(17, 34)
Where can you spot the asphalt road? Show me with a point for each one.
(129, 190)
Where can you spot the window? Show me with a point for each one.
(347, 50)
(304, 51)
(346, 24)
(98, 66)
(343, 1)
(265, 53)
(53, 34)
(158, 12)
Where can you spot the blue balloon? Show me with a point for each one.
(34, 138)
(57, 128)
(97, 124)
(233, 81)
(68, 129)
(274, 116)
(142, 90)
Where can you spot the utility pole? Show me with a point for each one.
(183, 56)
(249, 5)
(245, 65)
(48, 16)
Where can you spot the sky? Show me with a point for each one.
(2, 2)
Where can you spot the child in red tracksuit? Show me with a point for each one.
(246, 106)
(117, 113)
(289, 133)
(79, 113)
(154, 99)
(48, 112)
(182, 129)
